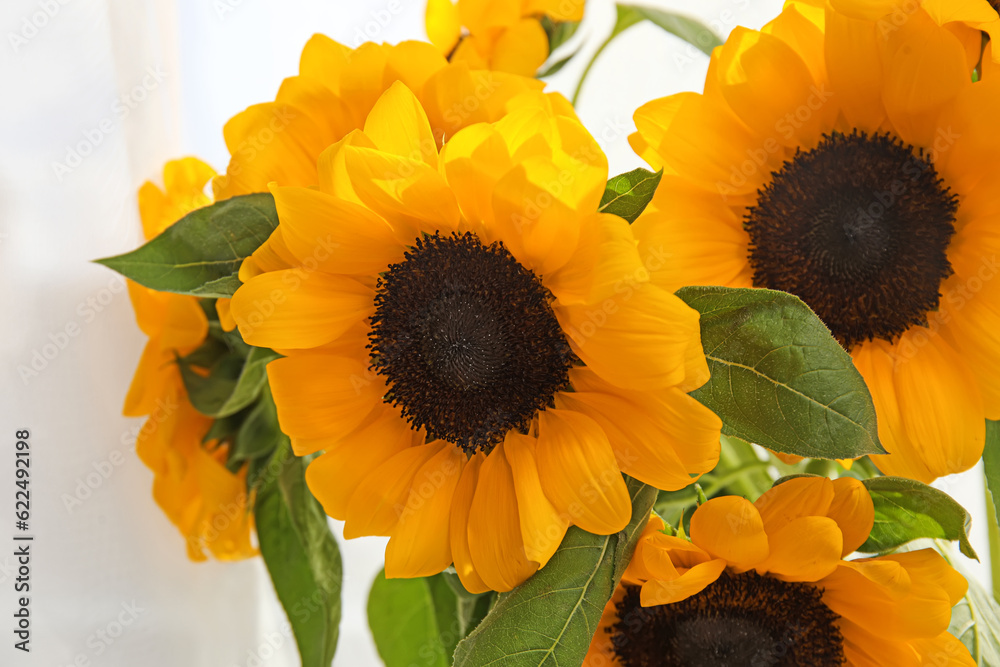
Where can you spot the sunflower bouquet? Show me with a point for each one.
(683, 416)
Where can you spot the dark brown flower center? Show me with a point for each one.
(858, 228)
(467, 341)
(746, 620)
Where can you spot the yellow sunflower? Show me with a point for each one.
(478, 351)
(855, 171)
(502, 35)
(191, 483)
(765, 583)
(332, 95)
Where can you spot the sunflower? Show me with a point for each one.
(502, 35)
(855, 171)
(477, 351)
(765, 583)
(191, 484)
(333, 94)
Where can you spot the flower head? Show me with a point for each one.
(850, 168)
(191, 483)
(766, 583)
(475, 348)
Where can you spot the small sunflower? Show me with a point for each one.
(502, 35)
(475, 348)
(191, 483)
(765, 584)
(853, 170)
(332, 95)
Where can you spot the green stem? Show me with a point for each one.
(625, 19)
(994, 541)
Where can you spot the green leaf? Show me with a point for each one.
(550, 619)
(976, 621)
(201, 253)
(232, 384)
(627, 195)
(688, 29)
(906, 510)
(414, 621)
(779, 379)
(303, 560)
(259, 433)
(224, 287)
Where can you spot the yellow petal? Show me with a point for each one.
(853, 510)
(295, 309)
(495, 543)
(804, 549)
(638, 340)
(321, 395)
(854, 67)
(381, 497)
(945, 650)
(324, 60)
(579, 473)
(222, 309)
(664, 438)
(765, 82)
(796, 498)
(459, 525)
(692, 582)
(407, 193)
(334, 476)
(521, 48)
(925, 69)
(926, 565)
(730, 528)
(420, 545)
(940, 409)
(397, 124)
(443, 25)
(542, 526)
(473, 161)
(333, 235)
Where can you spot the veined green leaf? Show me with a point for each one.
(549, 620)
(303, 560)
(201, 253)
(779, 378)
(906, 510)
(628, 194)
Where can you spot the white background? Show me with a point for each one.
(115, 550)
